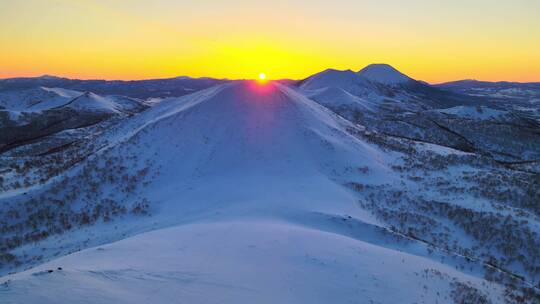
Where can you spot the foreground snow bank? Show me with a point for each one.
(237, 262)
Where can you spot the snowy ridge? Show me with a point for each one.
(43, 98)
(36, 99)
(91, 102)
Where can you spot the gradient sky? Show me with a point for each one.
(432, 40)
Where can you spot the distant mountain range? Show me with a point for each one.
(170, 87)
(178, 86)
(470, 83)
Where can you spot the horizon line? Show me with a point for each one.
(46, 75)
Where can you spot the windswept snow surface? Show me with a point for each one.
(235, 262)
(248, 205)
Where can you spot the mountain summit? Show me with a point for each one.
(384, 73)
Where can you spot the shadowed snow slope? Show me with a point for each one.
(42, 99)
(36, 99)
(243, 142)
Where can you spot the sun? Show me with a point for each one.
(262, 80)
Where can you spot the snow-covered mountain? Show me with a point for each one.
(384, 85)
(385, 100)
(247, 192)
(385, 74)
(42, 99)
(28, 115)
(347, 80)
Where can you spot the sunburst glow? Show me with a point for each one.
(135, 39)
(262, 78)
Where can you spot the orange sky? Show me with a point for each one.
(434, 41)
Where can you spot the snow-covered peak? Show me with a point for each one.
(384, 73)
(249, 124)
(346, 80)
(182, 77)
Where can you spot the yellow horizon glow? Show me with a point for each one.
(427, 40)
